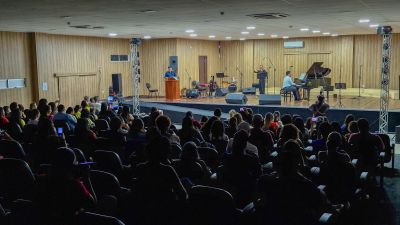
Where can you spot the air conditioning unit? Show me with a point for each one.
(293, 44)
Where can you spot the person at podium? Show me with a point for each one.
(290, 86)
(170, 74)
(262, 75)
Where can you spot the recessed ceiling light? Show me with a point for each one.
(374, 25)
(285, 37)
(147, 37)
(193, 35)
(112, 34)
(244, 32)
(242, 39)
(189, 31)
(364, 20)
(260, 34)
(228, 38)
(326, 33)
(316, 31)
(274, 35)
(250, 27)
(335, 35)
(211, 36)
(304, 29)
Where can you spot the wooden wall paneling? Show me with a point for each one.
(15, 62)
(395, 62)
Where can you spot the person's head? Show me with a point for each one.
(239, 142)
(21, 107)
(125, 110)
(249, 111)
(86, 98)
(286, 119)
(46, 127)
(96, 99)
(153, 109)
(6, 110)
(204, 119)
(269, 117)
(163, 123)
(231, 113)
(261, 67)
(103, 107)
(34, 114)
(60, 108)
(208, 124)
(52, 107)
(299, 123)
(187, 124)
(158, 149)
(363, 125)
(290, 158)
(153, 117)
(189, 152)
(352, 127)
(77, 108)
(233, 123)
(309, 123)
(137, 125)
(335, 126)
(334, 141)
(70, 110)
(170, 69)
(115, 124)
(289, 131)
(289, 73)
(15, 116)
(2, 113)
(320, 99)
(217, 129)
(324, 129)
(348, 119)
(245, 126)
(189, 114)
(217, 112)
(13, 106)
(84, 103)
(63, 160)
(257, 121)
(85, 113)
(46, 110)
(32, 106)
(277, 116)
(238, 117)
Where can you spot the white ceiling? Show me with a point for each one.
(173, 17)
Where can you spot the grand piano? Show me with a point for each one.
(315, 77)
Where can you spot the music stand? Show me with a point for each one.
(221, 76)
(340, 86)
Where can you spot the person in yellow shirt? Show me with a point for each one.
(77, 112)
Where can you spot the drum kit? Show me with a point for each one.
(211, 87)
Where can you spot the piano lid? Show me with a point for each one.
(317, 71)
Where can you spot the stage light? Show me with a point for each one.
(316, 31)
(193, 35)
(260, 34)
(326, 33)
(250, 27)
(274, 35)
(244, 32)
(364, 21)
(189, 31)
(374, 25)
(112, 34)
(304, 29)
(147, 37)
(228, 38)
(285, 37)
(211, 36)
(242, 39)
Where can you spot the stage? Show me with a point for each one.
(367, 107)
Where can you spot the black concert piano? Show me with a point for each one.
(315, 77)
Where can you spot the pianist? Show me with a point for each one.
(290, 86)
(170, 74)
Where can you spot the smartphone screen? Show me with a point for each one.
(59, 131)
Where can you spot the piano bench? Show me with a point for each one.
(285, 94)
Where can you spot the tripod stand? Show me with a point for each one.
(340, 86)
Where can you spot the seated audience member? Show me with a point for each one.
(278, 197)
(22, 110)
(345, 127)
(190, 165)
(106, 113)
(83, 132)
(13, 106)
(41, 104)
(241, 170)
(337, 172)
(232, 127)
(3, 119)
(45, 112)
(335, 126)
(85, 114)
(218, 113)
(116, 134)
(367, 145)
(70, 111)
(196, 123)
(163, 124)
(206, 129)
(203, 120)
(261, 139)
(34, 117)
(6, 110)
(61, 196)
(218, 137)
(303, 132)
(277, 118)
(97, 104)
(153, 117)
(136, 141)
(334, 149)
(245, 115)
(61, 115)
(126, 115)
(15, 125)
(288, 132)
(319, 108)
(188, 132)
(231, 113)
(77, 112)
(45, 130)
(158, 186)
(53, 110)
(33, 106)
(324, 129)
(269, 123)
(250, 148)
(352, 128)
(85, 104)
(238, 117)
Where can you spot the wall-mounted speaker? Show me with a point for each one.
(236, 98)
(173, 63)
(264, 99)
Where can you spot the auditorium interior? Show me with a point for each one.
(275, 112)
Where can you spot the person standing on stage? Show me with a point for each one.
(170, 73)
(289, 85)
(262, 75)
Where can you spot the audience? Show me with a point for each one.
(3, 119)
(163, 124)
(189, 132)
(61, 115)
(263, 140)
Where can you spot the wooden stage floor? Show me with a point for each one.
(349, 102)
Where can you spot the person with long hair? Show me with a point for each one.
(189, 132)
(206, 129)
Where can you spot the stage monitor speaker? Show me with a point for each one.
(117, 83)
(173, 63)
(269, 99)
(219, 92)
(236, 98)
(249, 91)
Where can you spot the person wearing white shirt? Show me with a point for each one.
(289, 85)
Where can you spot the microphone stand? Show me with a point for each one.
(273, 66)
(241, 78)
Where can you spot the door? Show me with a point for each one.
(203, 69)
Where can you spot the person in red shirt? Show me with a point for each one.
(3, 119)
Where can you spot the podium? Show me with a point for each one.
(172, 91)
